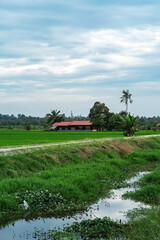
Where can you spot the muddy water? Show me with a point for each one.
(114, 207)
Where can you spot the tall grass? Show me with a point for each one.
(144, 224)
(150, 187)
(133, 151)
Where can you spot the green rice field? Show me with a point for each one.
(17, 138)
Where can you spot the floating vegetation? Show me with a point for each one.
(98, 228)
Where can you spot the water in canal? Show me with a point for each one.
(114, 207)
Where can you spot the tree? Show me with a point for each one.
(99, 115)
(54, 116)
(126, 96)
(98, 122)
(121, 113)
(129, 124)
(115, 122)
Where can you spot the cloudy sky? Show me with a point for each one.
(68, 54)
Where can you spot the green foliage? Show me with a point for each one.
(12, 122)
(148, 123)
(43, 200)
(150, 191)
(143, 224)
(68, 178)
(54, 116)
(13, 138)
(99, 115)
(8, 203)
(98, 122)
(97, 228)
(61, 189)
(29, 163)
(115, 122)
(54, 235)
(129, 124)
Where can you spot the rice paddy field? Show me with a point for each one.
(18, 138)
(59, 182)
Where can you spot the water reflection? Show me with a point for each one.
(114, 207)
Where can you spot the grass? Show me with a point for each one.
(18, 138)
(33, 162)
(150, 188)
(67, 179)
(13, 138)
(144, 224)
(60, 190)
(62, 180)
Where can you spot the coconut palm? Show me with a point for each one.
(126, 96)
(54, 116)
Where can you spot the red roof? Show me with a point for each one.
(73, 123)
(60, 124)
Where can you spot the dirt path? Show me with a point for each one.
(13, 150)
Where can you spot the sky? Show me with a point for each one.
(68, 54)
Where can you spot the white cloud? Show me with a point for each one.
(102, 50)
(151, 86)
(69, 59)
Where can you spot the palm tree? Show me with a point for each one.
(129, 124)
(126, 96)
(55, 116)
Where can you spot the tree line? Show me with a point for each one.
(113, 119)
(31, 122)
(99, 115)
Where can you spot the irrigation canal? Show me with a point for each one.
(114, 207)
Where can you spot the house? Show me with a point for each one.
(72, 126)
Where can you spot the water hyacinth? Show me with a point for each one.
(43, 200)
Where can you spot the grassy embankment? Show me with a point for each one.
(17, 138)
(62, 180)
